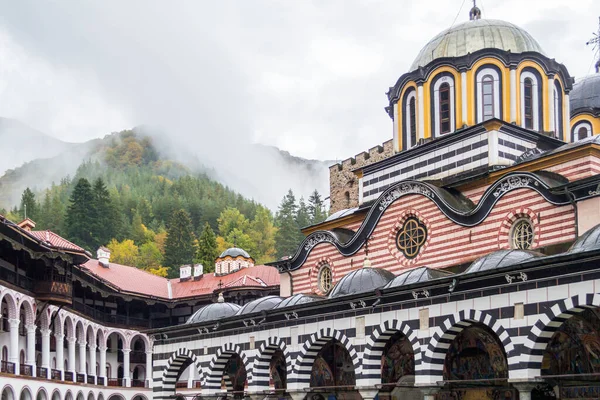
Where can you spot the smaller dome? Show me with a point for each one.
(416, 275)
(590, 240)
(234, 252)
(500, 259)
(360, 281)
(213, 312)
(585, 93)
(298, 299)
(260, 304)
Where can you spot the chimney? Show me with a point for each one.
(185, 273)
(198, 271)
(26, 224)
(103, 256)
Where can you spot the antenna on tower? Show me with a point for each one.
(595, 43)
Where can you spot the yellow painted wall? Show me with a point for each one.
(400, 121)
(505, 76)
(526, 63)
(427, 97)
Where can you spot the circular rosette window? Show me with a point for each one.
(411, 237)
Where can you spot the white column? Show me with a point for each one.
(191, 377)
(513, 95)
(103, 364)
(421, 112)
(149, 369)
(126, 380)
(551, 110)
(13, 349)
(396, 131)
(92, 371)
(82, 357)
(463, 90)
(46, 351)
(71, 355)
(567, 118)
(60, 357)
(30, 346)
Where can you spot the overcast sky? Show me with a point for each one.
(307, 76)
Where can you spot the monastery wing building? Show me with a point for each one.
(460, 261)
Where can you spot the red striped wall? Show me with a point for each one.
(448, 243)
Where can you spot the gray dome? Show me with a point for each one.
(361, 280)
(585, 93)
(234, 252)
(213, 312)
(260, 304)
(590, 240)
(475, 35)
(416, 275)
(500, 259)
(298, 299)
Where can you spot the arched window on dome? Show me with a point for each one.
(531, 112)
(444, 108)
(488, 92)
(581, 130)
(558, 110)
(409, 128)
(443, 102)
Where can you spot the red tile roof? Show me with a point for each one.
(134, 280)
(130, 279)
(55, 240)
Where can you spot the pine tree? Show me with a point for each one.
(79, 221)
(180, 245)
(316, 209)
(29, 206)
(286, 238)
(207, 248)
(103, 214)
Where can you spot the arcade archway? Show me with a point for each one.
(398, 369)
(333, 370)
(235, 378)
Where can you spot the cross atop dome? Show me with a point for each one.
(595, 43)
(475, 12)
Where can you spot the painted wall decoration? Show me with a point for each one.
(575, 346)
(398, 360)
(236, 371)
(333, 367)
(277, 370)
(474, 354)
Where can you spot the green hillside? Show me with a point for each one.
(142, 206)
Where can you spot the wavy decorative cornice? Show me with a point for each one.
(460, 212)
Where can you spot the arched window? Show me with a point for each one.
(412, 113)
(581, 130)
(409, 128)
(443, 113)
(528, 103)
(558, 110)
(487, 86)
(488, 89)
(444, 108)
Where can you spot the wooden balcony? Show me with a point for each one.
(54, 291)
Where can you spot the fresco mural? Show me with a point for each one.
(277, 370)
(475, 354)
(333, 367)
(398, 360)
(236, 372)
(575, 346)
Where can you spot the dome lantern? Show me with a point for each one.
(475, 12)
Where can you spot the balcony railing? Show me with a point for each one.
(16, 279)
(26, 370)
(137, 357)
(80, 378)
(42, 372)
(111, 319)
(91, 380)
(7, 367)
(54, 291)
(55, 375)
(115, 382)
(68, 376)
(137, 383)
(101, 380)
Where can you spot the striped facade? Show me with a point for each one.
(548, 302)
